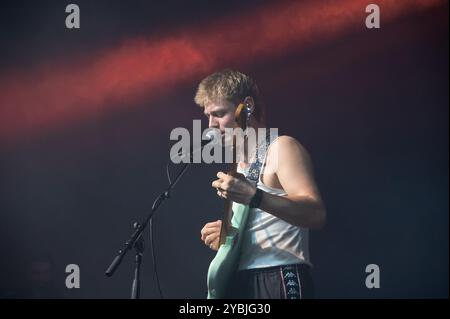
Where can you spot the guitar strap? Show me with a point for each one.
(255, 168)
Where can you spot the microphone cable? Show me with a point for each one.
(152, 239)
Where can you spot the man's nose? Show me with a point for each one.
(213, 123)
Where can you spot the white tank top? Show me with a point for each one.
(270, 241)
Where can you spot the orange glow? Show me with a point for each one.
(51, 96)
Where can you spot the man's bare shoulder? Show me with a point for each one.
(286, 145)
(292, 166)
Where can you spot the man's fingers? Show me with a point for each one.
(210, 228)
(209, 231)
(211, 238)
(213, 224)
(235, 196)
(223, 176)
(220, 174)
(216, 183)
(221, 185)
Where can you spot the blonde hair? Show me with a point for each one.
(232, 86)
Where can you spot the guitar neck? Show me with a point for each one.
(241, 119)
(228, 211)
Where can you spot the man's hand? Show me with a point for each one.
(235, 188)
(211, 234)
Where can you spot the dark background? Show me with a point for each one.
(371, 107)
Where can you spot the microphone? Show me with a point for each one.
(212, 137)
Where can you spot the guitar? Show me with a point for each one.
(225, 263)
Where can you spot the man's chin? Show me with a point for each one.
(227, 139)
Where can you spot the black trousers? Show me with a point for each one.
(279, 282)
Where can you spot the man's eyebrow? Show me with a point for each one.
(216, 109)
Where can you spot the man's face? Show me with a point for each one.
(220, 115)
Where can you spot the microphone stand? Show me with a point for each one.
(139, 248)
(139, 228)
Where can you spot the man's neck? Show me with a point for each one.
(250, 147)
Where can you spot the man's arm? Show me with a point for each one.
(302, 206)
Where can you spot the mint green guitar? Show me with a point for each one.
(226, 261)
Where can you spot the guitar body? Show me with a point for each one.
(226, 261)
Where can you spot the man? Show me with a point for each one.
(274, 261)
